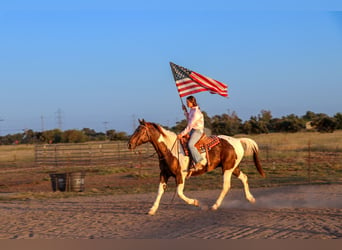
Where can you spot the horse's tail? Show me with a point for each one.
(251, 147)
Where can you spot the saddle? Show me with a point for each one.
(204, 144)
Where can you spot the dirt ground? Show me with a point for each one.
(293, 212)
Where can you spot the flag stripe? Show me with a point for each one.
(190, 88)
(189, 82)
(205, 82)
(190, 92)
(214, 82)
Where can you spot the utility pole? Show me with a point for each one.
(42, 122)
(134, 123)
(105, 123)
(1, 120)
(105, 126)
(59, 118)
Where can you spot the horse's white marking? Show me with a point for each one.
(155, 206)
(174, 147)
(241, 146)
(170, 141)
(236, 143)
(244, 181)
(226, 186)
(177, 151)
(250, 146)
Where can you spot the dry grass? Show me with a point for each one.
(287, 159)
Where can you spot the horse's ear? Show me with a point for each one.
(142, 122)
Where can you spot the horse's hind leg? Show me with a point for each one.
(244, 179)
(226, 186)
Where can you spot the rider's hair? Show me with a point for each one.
(192, 99)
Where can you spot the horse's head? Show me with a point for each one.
(140, 136)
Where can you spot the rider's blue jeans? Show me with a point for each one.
(195, 135)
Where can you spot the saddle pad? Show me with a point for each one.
(205, 141)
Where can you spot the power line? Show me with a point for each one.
(42, 122)
(1, 120)
(59, 118)
(105, 123)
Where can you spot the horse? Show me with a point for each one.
(174, 163)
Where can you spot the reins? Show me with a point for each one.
(150, 138)
(160, 158)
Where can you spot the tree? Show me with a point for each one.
(89, 133)
(207, 120)
(253, 126)
(325, 124)
(226, 124)
(53, 136)
(290, 123)
(179, 126)
(73, 136)
(259, 124)
(338, 119)
(309, 116)
(113, 135)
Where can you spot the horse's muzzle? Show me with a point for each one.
(131, 146)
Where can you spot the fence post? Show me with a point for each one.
(267, 153)
(56, 160)
(118, 150)
(309, 161)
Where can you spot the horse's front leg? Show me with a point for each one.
(161, 190)
(180, 189)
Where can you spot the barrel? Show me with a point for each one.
(76, 181)
(58, 182)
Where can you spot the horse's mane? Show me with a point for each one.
(169, 137)
(158, 127)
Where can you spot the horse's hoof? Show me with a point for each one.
(151, 212)
(252, 200)
(196, 203)
(214, 207)
(204, 207)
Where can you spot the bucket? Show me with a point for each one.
(76, 181)
(58, 182)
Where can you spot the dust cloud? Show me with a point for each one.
(310, 196)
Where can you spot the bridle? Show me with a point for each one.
(148, 133)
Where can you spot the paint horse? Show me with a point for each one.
(174, 163)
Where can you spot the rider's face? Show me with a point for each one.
(189, 104)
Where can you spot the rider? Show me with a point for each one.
(195, 127)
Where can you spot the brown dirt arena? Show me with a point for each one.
(292, 212)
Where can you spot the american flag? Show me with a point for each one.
(189, 82)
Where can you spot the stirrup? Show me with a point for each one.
(197, 167)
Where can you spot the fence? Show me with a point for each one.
(90, 154)
(290, 164)
(285, 160)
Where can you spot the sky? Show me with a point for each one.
(104, 65)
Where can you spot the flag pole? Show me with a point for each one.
(174, 77)
(184, 108)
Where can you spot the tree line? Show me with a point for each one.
(59, 136)
(227, 124)
(231, 124)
